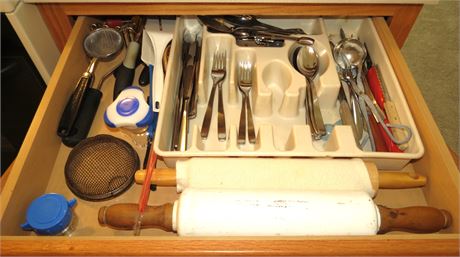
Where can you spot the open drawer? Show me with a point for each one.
(39, 167)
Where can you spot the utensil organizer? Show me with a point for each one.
(277, 97)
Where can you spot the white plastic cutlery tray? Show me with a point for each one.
(277, 97)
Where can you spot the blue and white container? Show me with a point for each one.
(51, 214)
(129, 110)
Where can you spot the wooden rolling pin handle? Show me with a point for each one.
(393, 180)
(161, 177)
(400, 180)
(417, 219)
(123, 216)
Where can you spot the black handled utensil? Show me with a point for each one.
(101, 44)
(125, 73)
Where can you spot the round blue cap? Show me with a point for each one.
(49, 214)
(127, 106)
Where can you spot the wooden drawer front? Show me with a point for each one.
(39, 166)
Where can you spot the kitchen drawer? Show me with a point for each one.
(39, 169)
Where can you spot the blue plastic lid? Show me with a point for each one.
(127, 106)
(49, 214)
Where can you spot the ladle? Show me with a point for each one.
(305, 59)
(353, 50)
(101, 44)
(349, 54)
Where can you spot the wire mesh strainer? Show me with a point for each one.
(101, 167)
(103, 43)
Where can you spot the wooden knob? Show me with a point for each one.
(124, 216)
(417, 219)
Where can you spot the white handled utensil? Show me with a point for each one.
(160, 33)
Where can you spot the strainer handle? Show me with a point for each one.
(73, 105)
(85, 118)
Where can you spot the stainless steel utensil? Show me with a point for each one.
(243, 32)
(218, 74)
(251, 21)
(350, 75)
(349, 54)
(307, 63)
(366, 101)
(188, 72)
(245, 85)
(253, 35)
(353, 50)
(346, 115)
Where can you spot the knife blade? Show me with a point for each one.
(187, 87)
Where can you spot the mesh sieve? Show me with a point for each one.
(101, 167)
(103, 43)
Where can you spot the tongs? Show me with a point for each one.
(368, 99)
(251, 21)
(255, 34)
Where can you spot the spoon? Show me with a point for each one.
(307, 63)
(354, 52)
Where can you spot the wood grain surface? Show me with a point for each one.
(156, 246)
(440, 191)
(437, 164)
(401, 17)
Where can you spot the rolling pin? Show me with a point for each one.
(293, 174)
(207, 212)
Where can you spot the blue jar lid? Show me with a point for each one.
(127, 106)
(49, 214)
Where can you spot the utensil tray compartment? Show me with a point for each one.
(278, 97)
(39, 166)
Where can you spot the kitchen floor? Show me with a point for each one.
(431, 52)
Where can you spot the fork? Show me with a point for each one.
(245, 85)
(218, 73)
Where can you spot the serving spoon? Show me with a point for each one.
(306, 60)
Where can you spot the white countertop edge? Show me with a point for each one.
(245, 1)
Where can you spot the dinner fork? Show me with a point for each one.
(218, 73)
(245, 85)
